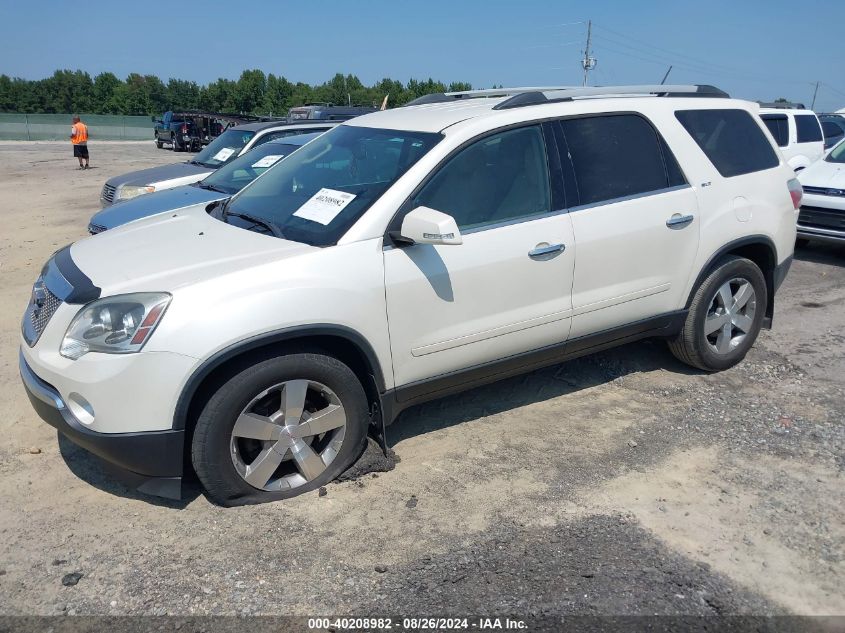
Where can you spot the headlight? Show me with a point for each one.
(126, 192)
(114, 325)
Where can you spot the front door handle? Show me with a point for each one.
(679, 221)
(539, 250)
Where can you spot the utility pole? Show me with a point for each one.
(813, 105)
(663, 81)
(588, 62)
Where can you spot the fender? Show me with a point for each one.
(180, 414)
(748, 240)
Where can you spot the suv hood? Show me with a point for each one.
(824, 174)
(151, 204)
(153, 175)
(166, 252)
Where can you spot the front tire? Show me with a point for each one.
(725, 316)
(280, 428)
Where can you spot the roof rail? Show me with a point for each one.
(519, 97)
(657, 90)
(783, 105)
(443, 97)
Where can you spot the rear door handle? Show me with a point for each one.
(538, 250)
(679, 221)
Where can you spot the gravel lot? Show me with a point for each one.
(622, 483)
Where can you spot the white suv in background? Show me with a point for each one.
(797, 133)
(402, 256)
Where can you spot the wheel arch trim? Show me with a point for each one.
(732, 246)
(291, 334)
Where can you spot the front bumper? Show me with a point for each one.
(822, 218)
(150, 462)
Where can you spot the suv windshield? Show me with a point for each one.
(237, 174)
(224, 148)
(837, 154)
(320, 191)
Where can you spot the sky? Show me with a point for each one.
(753, 50)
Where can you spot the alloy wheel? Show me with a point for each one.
(288, 435)
(730, 317)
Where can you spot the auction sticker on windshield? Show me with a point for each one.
(268, 161)
(324, 206)
(223, 154)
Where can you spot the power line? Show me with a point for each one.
(649, 46)
(654, 58)
(554, 45)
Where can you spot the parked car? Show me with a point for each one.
(405, 255)
(225, 148)
(797, 133)
(173, 129)
(191, 130)
(833, 128)
(822, 216)
(220, 185)
(327, 112)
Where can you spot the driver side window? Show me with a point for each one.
(500, 178)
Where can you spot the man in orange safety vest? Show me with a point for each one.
(79, 138)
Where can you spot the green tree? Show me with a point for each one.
(249, 91)
(68, 91)
(103, 95)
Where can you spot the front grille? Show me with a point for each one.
(108, 193)
(824, 191)
(820, 218)
(38, 314)
(93, 229)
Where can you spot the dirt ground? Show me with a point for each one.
(622, 483)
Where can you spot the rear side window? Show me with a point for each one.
(731, 139)
(830, 129)
(808, 128)
(618, 156)
(779, 128)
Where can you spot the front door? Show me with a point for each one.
(506, 289)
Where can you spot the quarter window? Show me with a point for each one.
(502, 177)
(618, 156)
(808, 128)
(731, 139)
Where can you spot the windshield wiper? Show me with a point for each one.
(196, 162)
(209, 187)
(268, 224)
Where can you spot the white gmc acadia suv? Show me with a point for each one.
(402, 256)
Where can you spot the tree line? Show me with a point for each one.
(68, 91)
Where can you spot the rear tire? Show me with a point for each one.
(255, 439)
(725, 316)
(176, 147)
(159, 144)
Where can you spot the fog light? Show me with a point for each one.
(81, 409)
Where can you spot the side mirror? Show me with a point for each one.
(428, 226)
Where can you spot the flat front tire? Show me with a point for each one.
(725, 316)
(281, 427)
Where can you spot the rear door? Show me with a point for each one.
(635, 226)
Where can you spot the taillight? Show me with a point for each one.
(796, 192)
(184, 129)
